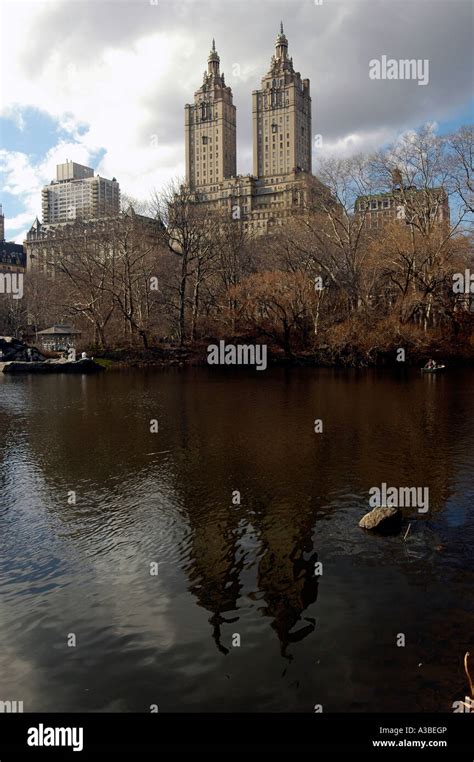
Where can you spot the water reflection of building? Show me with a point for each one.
(286, 575)
(215, 569)
(216, 555)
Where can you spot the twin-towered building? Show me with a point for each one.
(282, 143)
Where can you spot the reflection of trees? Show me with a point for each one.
(86, 430)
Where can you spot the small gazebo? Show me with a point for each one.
(58, 338)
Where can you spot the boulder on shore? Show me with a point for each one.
(383, 520)
(16, 350)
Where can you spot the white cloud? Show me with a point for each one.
(354, 143)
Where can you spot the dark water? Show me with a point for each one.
(228, 569)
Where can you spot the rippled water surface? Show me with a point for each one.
(228, 570)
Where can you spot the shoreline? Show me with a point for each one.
(197, 356)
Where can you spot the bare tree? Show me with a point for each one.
(134, 244)
(461, 147)
(189, 230)
(83, 259)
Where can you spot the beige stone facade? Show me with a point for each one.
(261, 204)
(210, 129)
(281, 118)
(282, 145)
(46, 245)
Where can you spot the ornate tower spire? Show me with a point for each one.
(281, 45)
(213, 62)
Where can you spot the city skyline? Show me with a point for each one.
(121, 110)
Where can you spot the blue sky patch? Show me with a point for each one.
(34, 132)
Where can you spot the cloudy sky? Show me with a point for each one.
(104, 82)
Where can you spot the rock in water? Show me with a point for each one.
(384, 520)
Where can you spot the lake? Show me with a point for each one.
(212, 560)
